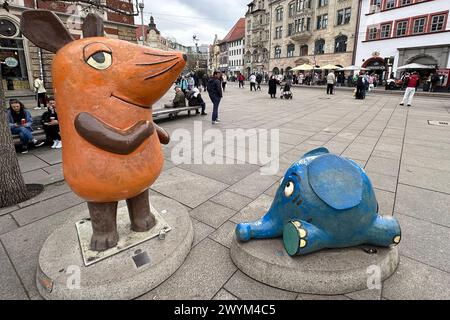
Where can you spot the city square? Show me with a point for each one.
(406, 158)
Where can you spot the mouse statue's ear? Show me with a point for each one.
(45, 30)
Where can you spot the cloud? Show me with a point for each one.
(182, 19)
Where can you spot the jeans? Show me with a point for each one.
(241, 84)
(252, 86)
(215, 100)
(24, 134)
(42, 100)
(330, 88)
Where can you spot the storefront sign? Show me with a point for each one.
(11, 62)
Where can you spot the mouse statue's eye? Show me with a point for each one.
(100, 60)
(289, 189)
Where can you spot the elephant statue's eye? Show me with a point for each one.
(100, 60)
(289, 189)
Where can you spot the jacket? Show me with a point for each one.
(179, 100)
(28, 119)
(331, 78)
(214, 88)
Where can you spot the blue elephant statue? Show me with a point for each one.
(324, 201)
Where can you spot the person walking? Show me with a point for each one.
(258, 81)
(412, 83)
(252, 80)
(215, 94)
(331, 80)
(360, 87)
(241, 79)
(273, 87)
(204, 81)
(224, 81)
(41, 92)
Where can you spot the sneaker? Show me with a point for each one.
(408, 105)
(214, 122)
(24, 150)
(204, 114)
(54, 144)
(58, 145)
(37, 108)
(218, 120)
(37, 143)
(401, 104)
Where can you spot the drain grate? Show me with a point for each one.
(438, 123)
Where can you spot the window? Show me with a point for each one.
(419, 25)
(300, 4)
(402, 28)
(385, 30)
(405, 2)
(304, 50)
(323, 3)
(278, 32)
(375, 6)
(347, 15)
(340, 17)
(390, 4)
(340, 44)
(322, 21)
(279, 14)
(290, 29)
(372, 34)
(277, 52)
(291, 9)
(437, 23)
(290, 50)
(319, 46)
(344, 16)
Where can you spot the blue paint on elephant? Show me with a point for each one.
(331, 201)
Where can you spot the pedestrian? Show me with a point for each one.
(258, 81)
(204, 81)
(179, 101)
(191, 82)
(412, 83)
(20, 122)
(41, 92)
(273, 82)
(252, 80)
(435, 79)
(241, 79)
(50, 124)
(183, 84)
(224, 81)
(360, 87)
(371, 81)
(331, 80)
(215, 94)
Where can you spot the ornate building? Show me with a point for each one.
(257, 37)
(317, 32)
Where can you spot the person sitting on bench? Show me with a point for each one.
(179, 101)
(195, 99)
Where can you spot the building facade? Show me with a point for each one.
(393, 33)
(214, 54)
(22, 62)
(257, 38)
(231, 50)
(317, 32)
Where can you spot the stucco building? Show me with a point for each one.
(317, 32)
(231, 50)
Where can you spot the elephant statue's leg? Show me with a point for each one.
(142, 219)
(384, 231)
(300, 237)
(104, 225)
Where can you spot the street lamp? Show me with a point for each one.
(141, 7)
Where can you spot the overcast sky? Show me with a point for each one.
(182, 19)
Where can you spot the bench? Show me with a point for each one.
(173, 112)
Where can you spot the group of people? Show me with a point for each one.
(21, 123)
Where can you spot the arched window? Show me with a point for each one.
(319, 46)
(340, 44)
(304, 50)
(291, 9)
(276, 71)
(277, 52)
(290, 50)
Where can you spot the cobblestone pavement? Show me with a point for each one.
(407, 159)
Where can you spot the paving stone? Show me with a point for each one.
(423, 204)
(417, 281)
(46, 208)
(231, 200)
(305, 296)
(368, 294)
(384, 166)
(201, 231)
(42, 177)
(186, 187)
(50, 191)
(206, 269)
(7, 210)
(51, 156)
(7, 224)
(432, 179)
(385, 202)
(24, 244)
(56, 169)
(246, 288)
(212, 214)
(425, 242)
(29, 162)
(429, 152)
(273, 189)
(10, 288)
(426, 162)
(254, 210)
(224, 295)
(224, 235)
(253, 185)
(381, 181)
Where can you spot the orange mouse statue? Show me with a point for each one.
(104, 89)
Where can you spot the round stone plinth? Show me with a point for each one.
(328, 272)
(127, 274)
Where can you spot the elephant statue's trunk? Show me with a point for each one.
(266, 227)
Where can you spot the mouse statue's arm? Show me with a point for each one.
(163, 136)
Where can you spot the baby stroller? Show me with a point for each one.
(286, 93)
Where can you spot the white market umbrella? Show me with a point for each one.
(352, 68)
(329, 67)
(303, 67)
(415, 66)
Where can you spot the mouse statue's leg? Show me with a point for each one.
(142, 219)
(104, 225)
(300, 237)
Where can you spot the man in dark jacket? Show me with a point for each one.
(215, 94)
(179, 101)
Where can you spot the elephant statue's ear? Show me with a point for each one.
(316, 152)
(336, 181)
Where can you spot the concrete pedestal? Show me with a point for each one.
(127, 274)
(327, 272)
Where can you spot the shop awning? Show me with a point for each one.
(415, 66)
